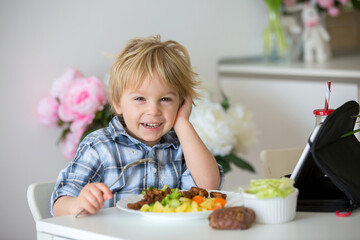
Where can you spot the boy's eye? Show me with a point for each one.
(166, 99)
(139, 99)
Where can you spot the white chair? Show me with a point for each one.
(279, 162)
(38, 196)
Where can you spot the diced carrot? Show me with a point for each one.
(198, 199)
(220, 200)
(216, 207)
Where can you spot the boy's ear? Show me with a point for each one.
(117, 109)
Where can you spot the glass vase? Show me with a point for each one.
(275, 46)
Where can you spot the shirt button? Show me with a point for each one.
(153, 170)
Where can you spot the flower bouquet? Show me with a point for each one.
(227, 131)
(78, 105)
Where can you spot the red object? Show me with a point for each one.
(346, 214)
(327, 97)
(323, 112)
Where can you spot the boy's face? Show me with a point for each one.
(150, 110)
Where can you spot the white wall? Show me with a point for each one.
(40, 38)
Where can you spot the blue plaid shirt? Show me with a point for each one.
(102, 155)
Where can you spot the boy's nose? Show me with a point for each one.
(153, 109)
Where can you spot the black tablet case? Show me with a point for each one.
(329, 178)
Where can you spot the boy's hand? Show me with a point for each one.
(92, 197)
(184, 112)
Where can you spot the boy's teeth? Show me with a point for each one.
(152, 125)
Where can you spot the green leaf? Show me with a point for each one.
(350, 133)
(225, 165)
(225, 102)
(63, 134)
(60, 123)
(99, 115)
(239, 162)
(107, 115)
(225, 161)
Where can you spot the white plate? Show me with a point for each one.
(232, 199)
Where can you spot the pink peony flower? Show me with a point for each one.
(47, 111)
(81, 123)
(84, 97)
(333, 11)
(62, 83)
(325, 3)
(73, 101)
(70, 143)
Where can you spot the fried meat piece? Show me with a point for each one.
(232, 218)
(136, 205)
(187, 194)
(154, 195)
(167, 191)
(194, 191)
(203, 193)
(217, 195)
(151, 196)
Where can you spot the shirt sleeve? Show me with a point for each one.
(84, 169)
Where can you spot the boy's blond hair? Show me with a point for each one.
(141, 57)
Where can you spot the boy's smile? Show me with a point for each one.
(150, 110)
(151, 125)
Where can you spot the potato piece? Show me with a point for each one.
(207, 204)
(168, 209)
(145, 208)
(182, 208)
(194, 207)
(185, 200)
(158, 207)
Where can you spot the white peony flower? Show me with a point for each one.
(224, 132)
(214, 127)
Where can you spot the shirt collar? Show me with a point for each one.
(118, 132)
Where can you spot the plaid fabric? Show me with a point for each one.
(102, 155)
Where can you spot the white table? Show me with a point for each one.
(112, 223)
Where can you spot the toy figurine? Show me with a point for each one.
(315, 37)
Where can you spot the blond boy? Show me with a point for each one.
(151, 90)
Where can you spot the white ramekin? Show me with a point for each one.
(272, 210)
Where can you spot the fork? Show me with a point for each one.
(126, 167)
